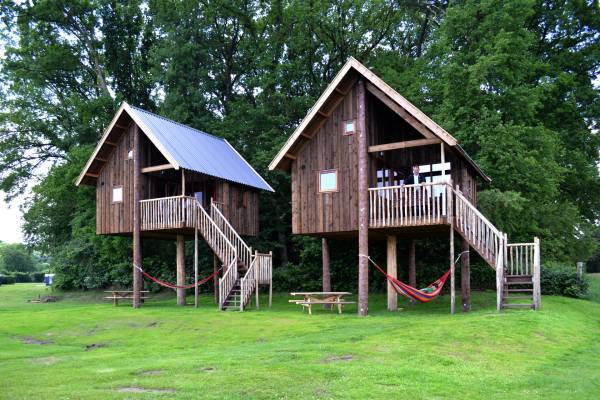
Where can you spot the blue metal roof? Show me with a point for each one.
(199, 151)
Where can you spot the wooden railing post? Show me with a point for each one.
(537, 295)
(257, 271)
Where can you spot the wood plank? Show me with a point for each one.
(155, 168)
(403, 145)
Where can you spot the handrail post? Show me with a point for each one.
(537, 298)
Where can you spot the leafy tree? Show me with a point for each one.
(16, 258)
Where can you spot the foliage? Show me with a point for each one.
(16, 258)
(7, 279)
(513, 81)
(562, 280)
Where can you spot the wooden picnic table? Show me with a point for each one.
(310, 298)
(123, 295)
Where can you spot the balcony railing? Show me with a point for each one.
(173, 212)
(409, 205)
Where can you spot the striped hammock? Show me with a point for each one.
(424, 295)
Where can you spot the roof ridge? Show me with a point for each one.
(176, 123)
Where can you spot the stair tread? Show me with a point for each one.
(516, 305)
(518, 290)
(517, 297)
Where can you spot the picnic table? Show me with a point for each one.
(123, 295)
(310, 298)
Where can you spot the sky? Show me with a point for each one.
(10, 220)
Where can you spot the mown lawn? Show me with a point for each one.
(83, 348)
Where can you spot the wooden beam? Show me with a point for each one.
(180, 269)
(403, 145)
(137, 222)
(323, 114)
(100, 159)
(92, 175)
(392, 270)
(465, 276)
(412, 265)
(110, 143)
(291, 157)
(452, 278)
(155, 168)
(363, 201)
(423, 130)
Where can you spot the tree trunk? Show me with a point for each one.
(326, 271)
(412, 265)
(363, 203)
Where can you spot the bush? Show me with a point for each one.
(558, 279)
(7, 279)
(37, 276)
(21, 277)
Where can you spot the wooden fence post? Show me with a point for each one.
(392, 269)
(537, 295)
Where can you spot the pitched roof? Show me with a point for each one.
(401, 105)
(188, 148)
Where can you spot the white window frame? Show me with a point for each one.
(117, 189)
(327, 172)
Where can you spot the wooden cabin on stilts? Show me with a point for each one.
(368, 165)
(156, 178)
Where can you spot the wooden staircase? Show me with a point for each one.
(517, 265)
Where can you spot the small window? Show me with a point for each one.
(328, 181)
(349, 127)
(117, 194)
(130, 155)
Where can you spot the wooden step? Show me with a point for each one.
(518, 297)
(518, 290)
(519, 279)
(516, 305)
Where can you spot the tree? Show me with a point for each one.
(16, 258)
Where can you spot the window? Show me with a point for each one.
(130, 155)
(328, 181)
(117, 194)
(349, 127)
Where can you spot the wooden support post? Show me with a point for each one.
(326, 271)
(465, 275)
(137, 239)
(180, 269)
(452, 279)
(196, 267)
(256, 276)
(216, 277)
(271, 279)
(182, 182)
(412, 265)
(363, 202)
(392, 269)
(537, 290)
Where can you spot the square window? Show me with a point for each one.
(130, 155)
(349, 128)
(328, 181)
(117, 194)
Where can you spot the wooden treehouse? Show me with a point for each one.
(353, 163)
(157, 178)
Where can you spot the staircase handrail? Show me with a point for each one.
(248, 284)
(244, 252)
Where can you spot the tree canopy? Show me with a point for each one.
(516, 82)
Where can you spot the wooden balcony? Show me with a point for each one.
(409, 205)
(166, 213)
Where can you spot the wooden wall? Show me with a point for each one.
(314, 212)
(240, 207)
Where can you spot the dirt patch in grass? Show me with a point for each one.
(152, 324)
(94, 346)
(137, 389)
(44, 360)
(30, 340)
(206, 369)
(345, 357)
(151, 372)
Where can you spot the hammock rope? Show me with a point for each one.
(173, 286)
(424, 295)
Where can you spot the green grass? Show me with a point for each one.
(418, 352)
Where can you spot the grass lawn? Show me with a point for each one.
(84, 348)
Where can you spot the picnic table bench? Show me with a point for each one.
(310, 298)
(123, 295)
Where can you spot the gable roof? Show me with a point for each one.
(187, 148)
(384, 92)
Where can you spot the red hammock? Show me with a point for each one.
(423, 295)
(172, 286)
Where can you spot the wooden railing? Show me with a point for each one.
(520, 258)
(264, 267)
(481, 234)
(408, 205)
(168, 213)
(244, 252)
(248, 285)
